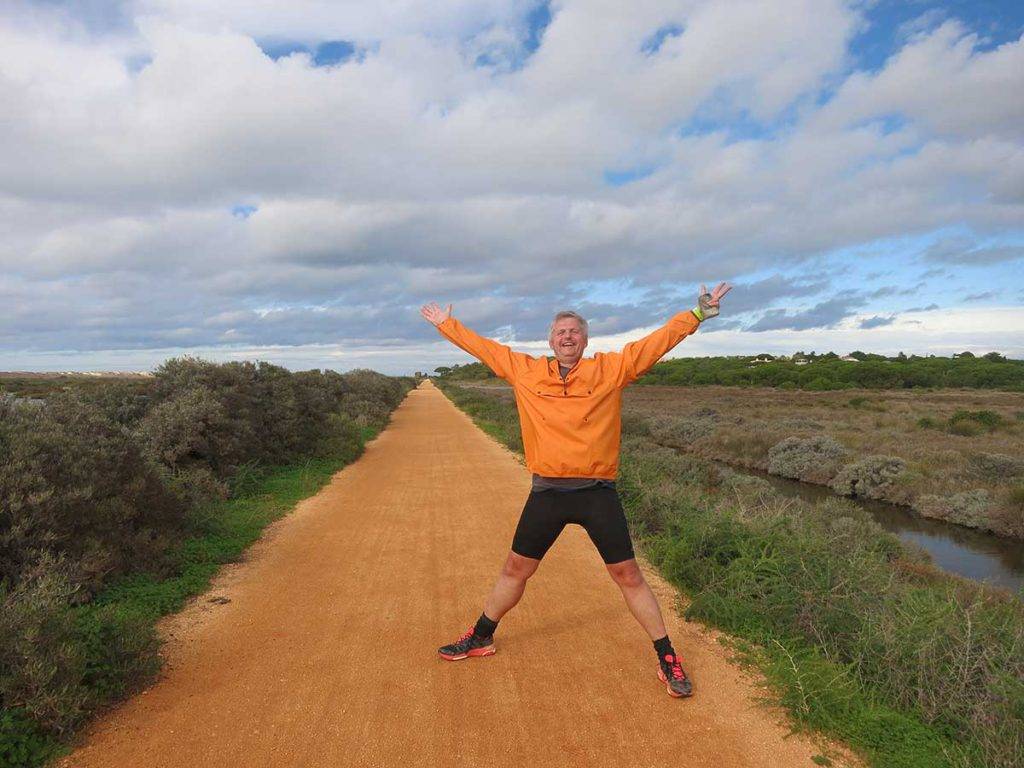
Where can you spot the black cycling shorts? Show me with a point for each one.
(597, 509)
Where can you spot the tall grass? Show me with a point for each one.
(910, 667)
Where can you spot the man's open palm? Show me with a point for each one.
(434, 314)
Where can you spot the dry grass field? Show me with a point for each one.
(956, 455)
(962, 451)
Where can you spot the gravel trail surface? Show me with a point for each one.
(320, 648)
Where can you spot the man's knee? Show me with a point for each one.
(626, 574)
(518, 567)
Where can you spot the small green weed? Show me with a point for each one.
(987, 419)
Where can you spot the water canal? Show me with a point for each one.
(975, 554)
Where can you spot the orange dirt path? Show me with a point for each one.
(326, 653)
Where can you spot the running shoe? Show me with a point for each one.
(467, 645)
(671, 673)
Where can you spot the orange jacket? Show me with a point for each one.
(571, 428)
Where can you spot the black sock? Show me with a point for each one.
(484, 626)
(663, 646)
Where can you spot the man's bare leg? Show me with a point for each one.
(644, 607)
(511, 584)
(639, 597)
(506, 592)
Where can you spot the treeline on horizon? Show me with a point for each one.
(129, 489)
(819, 372)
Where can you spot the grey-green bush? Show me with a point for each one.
(869, 478)
(683, 432)
(37, 653)
(997, 466)
(812, 459)
(970, 508)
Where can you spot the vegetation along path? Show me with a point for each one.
(320, 649)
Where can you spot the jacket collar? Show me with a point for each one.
(554, 370)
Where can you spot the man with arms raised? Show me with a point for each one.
(569, 413)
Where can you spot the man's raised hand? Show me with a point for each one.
(434, 314)
(707, 303)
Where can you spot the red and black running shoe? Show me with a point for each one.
(467, 645)
(670, 672)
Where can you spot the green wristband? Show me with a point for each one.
(700, 315)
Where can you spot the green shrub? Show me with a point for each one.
(113, 511)
(819, 384)
(989, 420)
(964, 428)
(77, 485)
(119, 647)
(22, 741)
(370, 397)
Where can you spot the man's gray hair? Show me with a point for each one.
(575, 316)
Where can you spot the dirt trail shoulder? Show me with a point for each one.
(325, 654)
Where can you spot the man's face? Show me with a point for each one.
(568, 341)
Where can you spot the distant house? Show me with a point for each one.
(801, 361)
(849, 359)
(762, 359)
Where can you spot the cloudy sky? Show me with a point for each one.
(291, 181)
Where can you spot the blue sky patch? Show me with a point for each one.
(621, 177)
(333, 52)
(537, 20)
(325, 54)
(243, 211)
(738, 127)
(135, 64)
(653, 44)
(891, 22)
(279, 49)
(890, 123)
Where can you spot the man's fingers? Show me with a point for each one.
(430, 312)
(713, 298)
(433, 313)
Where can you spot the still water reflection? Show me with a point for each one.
(974, 554)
